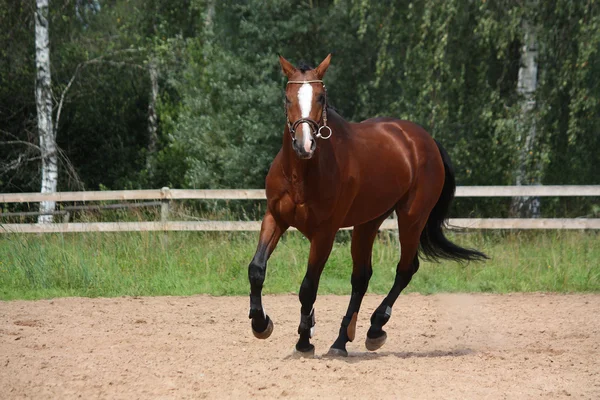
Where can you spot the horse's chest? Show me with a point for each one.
(293, 213)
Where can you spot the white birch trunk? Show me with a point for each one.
(43, 99)
(152, 119)
(210, 15)
(527, 84)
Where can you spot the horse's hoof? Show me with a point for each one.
(310, 353)
(373, 344)
(266, 333)
(333, 352)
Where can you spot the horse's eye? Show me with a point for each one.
(321, 98)
(287, 101)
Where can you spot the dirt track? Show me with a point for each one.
(443, 346)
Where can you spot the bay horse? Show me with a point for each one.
(330, 174)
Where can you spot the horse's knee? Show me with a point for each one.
(403, 278)
(415, 264)
(360, 280)
(405, 272)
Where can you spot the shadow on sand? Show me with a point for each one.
(354, 357)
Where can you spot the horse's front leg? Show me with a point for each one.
(320, 248)
(270, 232)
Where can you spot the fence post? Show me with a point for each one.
(164, 212)
(164, 207)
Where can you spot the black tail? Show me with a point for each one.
(434, 245)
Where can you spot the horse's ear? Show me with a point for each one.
(286, 66)
(322, 68)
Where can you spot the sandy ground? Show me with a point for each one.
(442, 346)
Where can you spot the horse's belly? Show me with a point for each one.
(368, 206)
(380, 184)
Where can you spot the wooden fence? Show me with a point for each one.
(165, 195)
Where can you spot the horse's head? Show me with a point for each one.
(306, 106)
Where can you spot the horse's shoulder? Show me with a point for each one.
(274, 176)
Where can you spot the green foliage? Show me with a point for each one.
(17, 103)
(100, 52)
(569, 89)
(451, 66)
(232, 118)
(180, 263)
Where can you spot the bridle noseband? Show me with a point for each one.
(314, 125)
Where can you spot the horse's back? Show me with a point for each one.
(397, 139)
(397, 126)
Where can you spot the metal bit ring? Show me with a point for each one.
(319, 135)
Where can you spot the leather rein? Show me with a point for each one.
(314, 125)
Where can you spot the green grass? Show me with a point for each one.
(184, 263)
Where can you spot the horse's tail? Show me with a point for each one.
(434, 245)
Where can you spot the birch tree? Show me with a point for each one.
(527, 172)
(43, 99)
(152, 117)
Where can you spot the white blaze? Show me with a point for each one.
(305, 95)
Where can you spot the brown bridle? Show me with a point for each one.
(314, 125)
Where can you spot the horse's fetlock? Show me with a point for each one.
(256, 313)
(381, 316)
(256, 308)
(260, 323)
(307, 322)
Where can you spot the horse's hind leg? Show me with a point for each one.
(409, 264)
(363, 237)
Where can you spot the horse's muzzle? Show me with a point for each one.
(301, 151)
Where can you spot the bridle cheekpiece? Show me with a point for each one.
(314, 125)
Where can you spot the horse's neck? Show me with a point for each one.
(295, 171)
(318, 172)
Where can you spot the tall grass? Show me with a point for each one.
(184, 263)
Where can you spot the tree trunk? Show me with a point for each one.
(152, 119)
(43, 99)
(210, 15)
(528, 172)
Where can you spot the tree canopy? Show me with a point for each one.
(451, 66)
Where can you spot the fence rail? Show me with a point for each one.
(165, 195)
(259, 194)
(466, 223)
